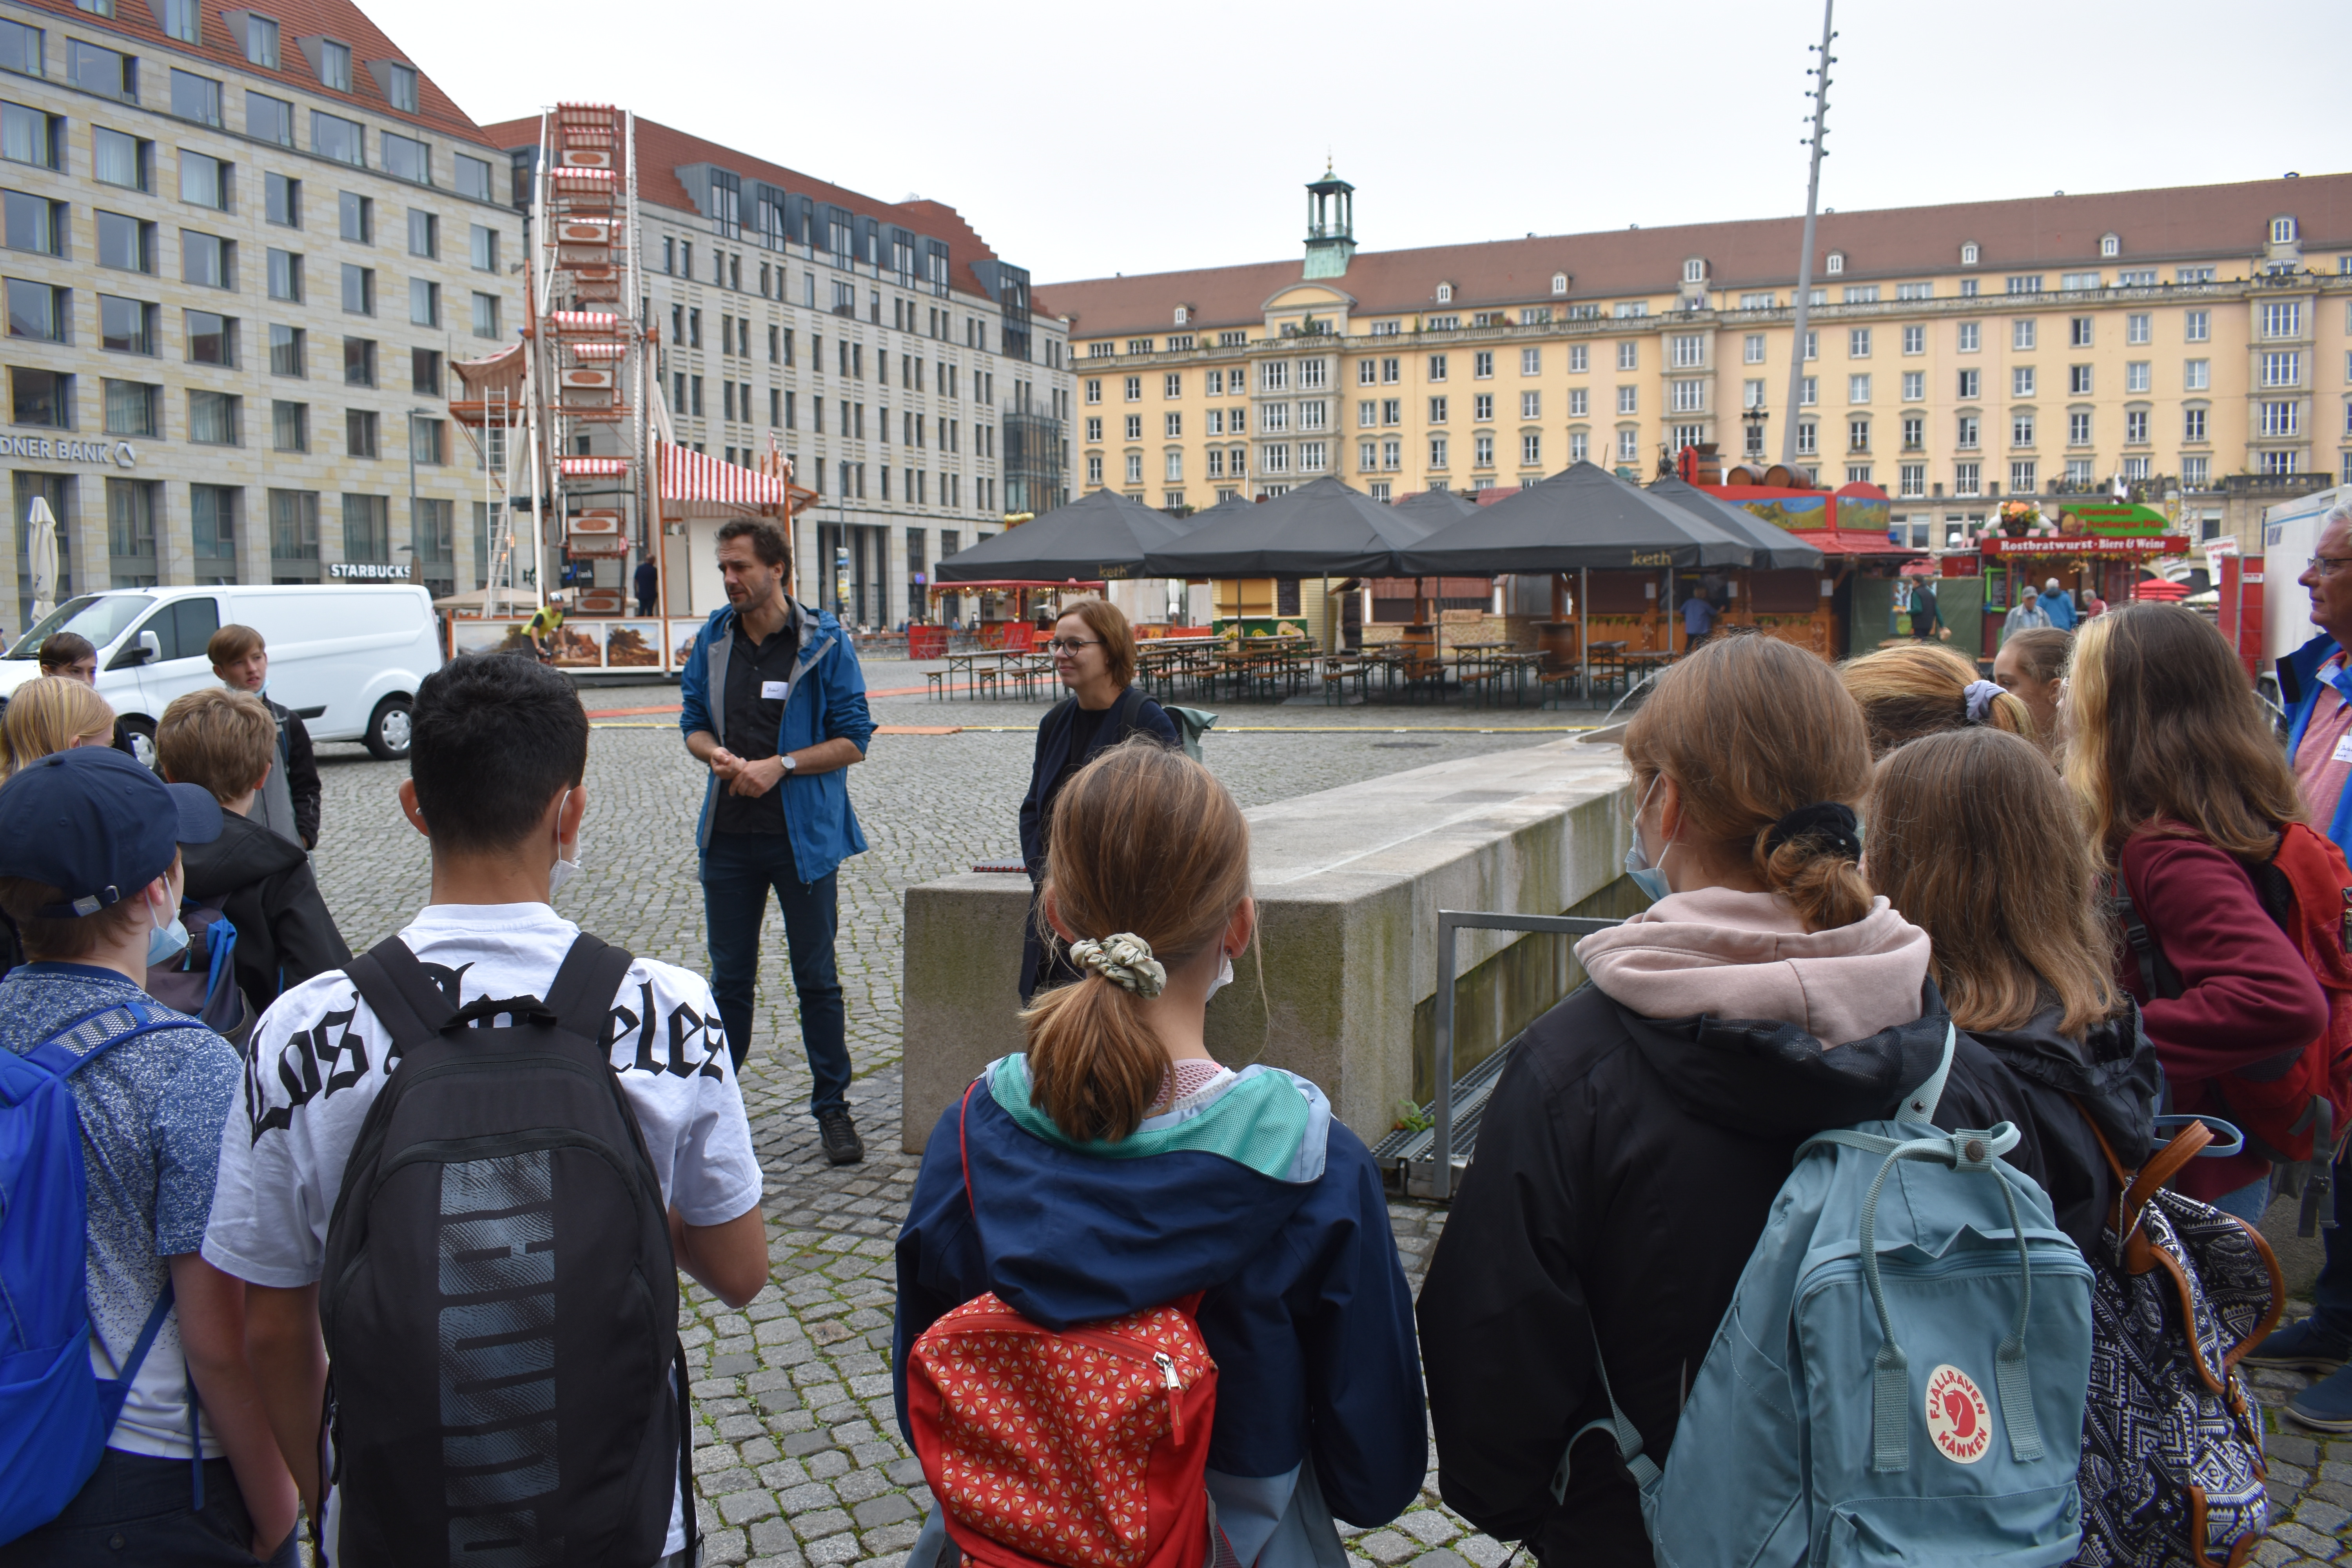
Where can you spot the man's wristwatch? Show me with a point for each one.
(788, 762)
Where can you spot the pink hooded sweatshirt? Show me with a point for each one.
(1730, 954)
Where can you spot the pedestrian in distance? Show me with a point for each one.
(225, 742)
(545, 627)
(648, 584)
(1698, 618)
(2059, 605)
(1923, 689)
(288, 803)
(1094, 654)
(2024, 615)
(168, 1457)
(48, 714)
(565, 1117)
(1975, 840)
(2031, 667)
(774, 703)
(1633, 1148)
(2313, 680)
(72, 655)
(1927, 616)
(1115, 1167)
(2185, 793)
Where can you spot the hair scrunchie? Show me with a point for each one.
(1832, 823)
(1125, 960)
(1981, 694)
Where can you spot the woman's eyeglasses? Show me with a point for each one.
(1071, 644)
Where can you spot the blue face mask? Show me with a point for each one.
(166, 943)
(1650, 877)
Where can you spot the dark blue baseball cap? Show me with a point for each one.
(98, 825)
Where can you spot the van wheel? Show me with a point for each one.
(140, 733)
(387, 732)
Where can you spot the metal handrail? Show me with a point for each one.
(1450, 921)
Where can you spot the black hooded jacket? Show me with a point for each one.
(284, 933)
(1624, 1169)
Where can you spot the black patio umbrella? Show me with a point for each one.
(1585, 517)
(1320, 530)
(1436, 509)
(1102, 535)
(1774, 547)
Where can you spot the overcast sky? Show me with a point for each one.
(1083, 139)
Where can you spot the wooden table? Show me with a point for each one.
(969, 664)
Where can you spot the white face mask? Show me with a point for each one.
(1224, 973)
(564, 870)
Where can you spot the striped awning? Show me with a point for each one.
(689, 475)
(569, 321)
(599, 351)
(594, 468)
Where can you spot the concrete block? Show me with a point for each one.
(1348, 883)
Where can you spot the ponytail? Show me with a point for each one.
(1094, 1064)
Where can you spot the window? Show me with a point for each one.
(20, 48)
(1857, 435)
(1969, 336)
(2021, 333)
(1752, 350)
(1860, 294)
(283, 197)
(1174, 424)
(287, 351)
(127, 326)
(1914, 432)
(2078, 429)
(102, 71)
(1857, 343)
(332, 136)
(43, 397)
(1752, 394)
(1437, 451)
(362, 433)
(1482, 407)
(293, 525)
(1578, 402)
(1687, 397)
(203, 180)
(37, 224)
(269, 119)
(2196, 326)
(2078, 471)
(1813, 345)
(1966, 478)
(2024, 477)
(1911, 480)
(429, 438)
(405, 158)
(1482, 364)
(1135, 385)
(1915, 385)
(359, 362)
(208, 260)
(2073, 280)
(1857, 389)
(2078, 331)
(212, 339)
(1531, 362)
(1094, 429)
(2279, 418)
(2193, 424)
(2135, 426)
(36, 310)
(401, 87)
(424, 234)
(1629, 399)
(2020, 430)
(131, 407)
(423, 302)
(1580, 358)
(335, 65)
(1437, 367)
(197, 97)
(359, 291)
(1809, 438)
(212, 418)
(474, 178)
(2078, 380)
(1965, 434)
(1629, 356)
(1808, 390)
(2197, 375)
(1134, 427)
(29, 136)
(2282, 370)
(2136, 328)
(2279, 462)
(2028, 285)
(485, 315)
(1531, 404)
(1482, 451)
(358, 214)
(2282, 231)
(289, 426)
(2021, 381)
(2283, 319)
(2137, 277)
(1836, 262)
(261, 41)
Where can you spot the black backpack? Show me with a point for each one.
(200, 979)
(501, 1301)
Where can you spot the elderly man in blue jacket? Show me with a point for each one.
(2317, 690)
(774, 704)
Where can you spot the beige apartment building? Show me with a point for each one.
(241, 249)
(2194, 343)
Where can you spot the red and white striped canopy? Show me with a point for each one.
(594, 468)
(689, 475)
(568, 321)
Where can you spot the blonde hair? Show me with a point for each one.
(1750, 729)
(1107, 621)
(221, 740)
(50, 714)
(1146, 840)
(2164, 733)
(1975, 840)
(1918, 690)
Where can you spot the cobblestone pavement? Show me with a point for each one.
(798, 1459)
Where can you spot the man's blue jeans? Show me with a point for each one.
(738, 870)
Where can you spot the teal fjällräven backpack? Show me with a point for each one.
(1900, 1376)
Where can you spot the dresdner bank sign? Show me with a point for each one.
(42, 449)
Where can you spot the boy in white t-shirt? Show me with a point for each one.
(500, 748)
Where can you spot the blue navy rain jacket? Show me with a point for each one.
(1250, 1191)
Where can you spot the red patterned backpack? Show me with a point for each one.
(1084, 1448)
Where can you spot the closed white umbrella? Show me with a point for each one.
(41, 556)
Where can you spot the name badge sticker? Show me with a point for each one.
(774, 690)
(2343, 748)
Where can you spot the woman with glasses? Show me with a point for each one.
(1094, 653)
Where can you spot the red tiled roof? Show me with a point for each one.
(662, 150)
(337, 19)
(2195, 223)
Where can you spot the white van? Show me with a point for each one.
(346, 660)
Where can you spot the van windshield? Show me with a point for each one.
(101, 618)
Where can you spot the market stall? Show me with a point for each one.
(2099, 545)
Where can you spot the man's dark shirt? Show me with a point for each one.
(752, 722)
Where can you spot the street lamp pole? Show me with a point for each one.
(1820, 95)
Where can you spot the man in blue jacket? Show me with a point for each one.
(774, 704)
(2317, 690)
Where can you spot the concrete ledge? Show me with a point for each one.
(1348, 883)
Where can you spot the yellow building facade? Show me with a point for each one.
(2194, 343)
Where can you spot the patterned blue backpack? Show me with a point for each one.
(54, 1412)
(1901, 1375)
